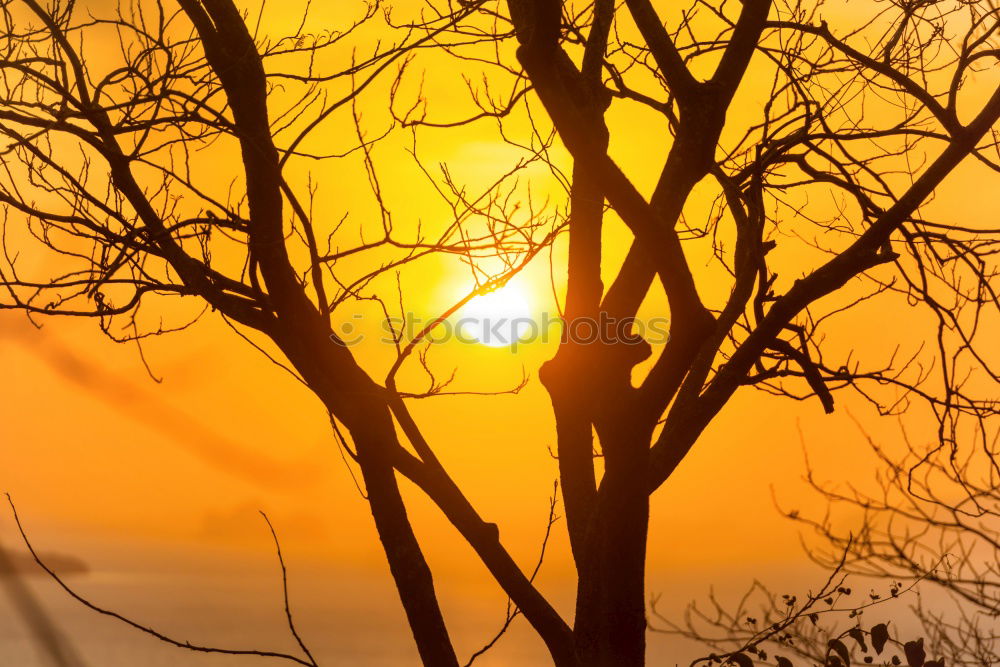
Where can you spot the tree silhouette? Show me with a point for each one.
(927, 526)
(931, 518)
(827, 627)
(871, 111)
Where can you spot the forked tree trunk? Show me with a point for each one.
(302, 332)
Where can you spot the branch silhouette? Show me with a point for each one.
(176, 169)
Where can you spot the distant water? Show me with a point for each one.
(351, 620)
(23, 563)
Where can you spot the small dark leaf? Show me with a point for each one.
(741, 659)
(895, 659)
(915, 654)
(783, 662)
(814, 618)
(880, 635)
(840, 649)
(859, 636)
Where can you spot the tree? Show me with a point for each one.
(928, 527)
(871, 115)
(825, 627)
(931, 518)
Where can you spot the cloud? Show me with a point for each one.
(137, 402)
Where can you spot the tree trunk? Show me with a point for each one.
(409, 569)
(610, 628)
(353, 398)
(567, 374)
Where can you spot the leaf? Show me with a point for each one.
(880, 635)
(915, 654)
(783, 662)
(840, 649)
(741, 659)
(859, 636)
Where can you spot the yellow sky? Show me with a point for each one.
(106, 463)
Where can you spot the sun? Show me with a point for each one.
(497, 319)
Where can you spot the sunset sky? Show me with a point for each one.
(160, 479)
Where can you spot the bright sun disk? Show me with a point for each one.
(498, 318)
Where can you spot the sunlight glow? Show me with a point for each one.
(498, 318)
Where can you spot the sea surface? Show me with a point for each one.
(350, 618)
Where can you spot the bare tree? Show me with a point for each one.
(927, 526)
(932, 516)
(871, 112)
(926, 542)
(824, 627)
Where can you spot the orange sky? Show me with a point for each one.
(125, 472)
